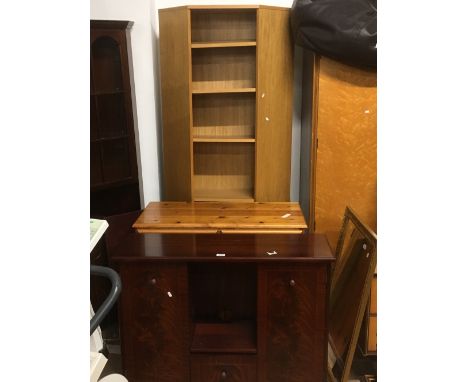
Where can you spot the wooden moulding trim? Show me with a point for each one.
(268, 260)
(222, 44)
(227, 7)
(224, 90)
(223, 230)
(314, 137)
(111, 24)
(223, 139)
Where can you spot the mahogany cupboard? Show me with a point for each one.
(211, 307)
(226, 86)
(114, 172)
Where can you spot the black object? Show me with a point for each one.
(345, 30)
(111, 298)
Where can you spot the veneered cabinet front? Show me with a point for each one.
(154, 314)
(292, 323)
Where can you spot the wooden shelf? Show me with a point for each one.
(223, 90)
(107, 92)
(204, 195)
(110, 138)
(222, 44)
(217, 139)
(238, 337)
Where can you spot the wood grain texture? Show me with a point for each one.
(229, 368)
(274, 106)
(372, 339)
(292, 323)
(222, 44)
(233, 337)
(211, 25)
(155, 338)
(346, 163)
(220, 216)
(223, 68)
(242, 248)
(174, 33)
(224, 115)
(373, 296)
(223, 168)
(368, 335)
(350, 289)
(247, 286)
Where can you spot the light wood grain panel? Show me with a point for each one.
(372, 339)
(223, 68)
(223, 25)
(274, 106)
(234, 139)
(346, 163)
(289, 206)
(175, 79)
(221, 44)
(224, 115)
(373, 297)
(213, 216)
(223, 167)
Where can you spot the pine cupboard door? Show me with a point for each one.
(154, 322)
(292, 323)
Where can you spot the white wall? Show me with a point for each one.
(145, 42)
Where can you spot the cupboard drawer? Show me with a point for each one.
(223, 368)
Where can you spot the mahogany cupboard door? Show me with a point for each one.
(292, 323)
(154, 322)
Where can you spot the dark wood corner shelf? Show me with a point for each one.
(237, 337)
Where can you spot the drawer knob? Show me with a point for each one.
(292, 282)
(153, 281)
(224, 374)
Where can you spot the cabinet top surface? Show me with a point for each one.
(158, 216)
(221, 7)
(234, 247)
(111, 24)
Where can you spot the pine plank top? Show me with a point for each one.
(225, 217)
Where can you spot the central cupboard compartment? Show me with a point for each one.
(223, 300)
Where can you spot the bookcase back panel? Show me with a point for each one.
(223, 170)
(224, 115)
(223, 68)
(105, 60)
(115, 160)
(112, 115)
(223, 25)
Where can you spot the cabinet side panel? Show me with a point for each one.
(305, 182)
(346, 165)
(274, 106)
(175, 91)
